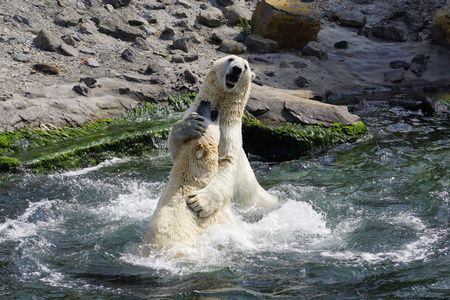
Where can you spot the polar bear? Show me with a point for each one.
(227, 87)
(195, 164)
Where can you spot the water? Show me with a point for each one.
(358, 221)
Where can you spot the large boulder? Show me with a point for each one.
(289, 22)
(294, 106)
(441, 25)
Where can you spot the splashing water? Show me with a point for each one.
(359, 221)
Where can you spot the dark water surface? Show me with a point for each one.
(359, 221)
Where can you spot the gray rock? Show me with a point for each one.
(167, 34)
(315, 49)
(128, 55)
(184, 57)
(397, 75)
(390, 32)
(257, 43)
(341, 45)
(352, 19)
(92, 62)
(430, 106)
(21, 58)
(301, 81)
(68, 50)
(294, 106)
(232, 47)
(68, 17)
(182, 42)
(399, 64)
(89, 81)
(234, 14)
(155, 6)
(88, 27)
(47, 41)
(141, 43)
(418, 65)
(157, 65)
(211, 17)
(284, 64)
(189, 77)
(228, 33)
(117, 3)
(117, 29)
(69, 40)
(81, 89)
(184, 3)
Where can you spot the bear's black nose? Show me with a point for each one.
(236, 70)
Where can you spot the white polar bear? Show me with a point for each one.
(195, 164)
(227, 87)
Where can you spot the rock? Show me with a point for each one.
(232, 47)
(47, 41)
(88, 27)
(68, 50)
(352, 19)
(397, 75)
(341, 45)
(167, 34)
(399, 64)
(89, 81)
(117, 3)
(363, 1)
(92, 62)
(430, 107)
(68, 17)
(234, 14)
(228, 33)
(47, 69)
(358, 103)
(289, 22)
(284, 64)
(184, 3)
(294, 106)
(301, 81)
(433, 89)
(408, 104)
(81, 89)
(21, 58)
(157, 65)
(418, 65)
(184, 57)
(155, 6)
(315, 49)
(390, 32)
(182, 42)
(118, 29)
(142, 44)
(257, 43)
(441, 25)
(414, 22)
(211, 17)
(69, 40)
(21, 19)
(189, 77)
(128, 55)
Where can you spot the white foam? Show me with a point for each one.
(106, 163)
(219, 245)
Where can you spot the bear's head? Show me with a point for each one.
(233, 73)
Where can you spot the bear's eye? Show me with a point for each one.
(230, 59)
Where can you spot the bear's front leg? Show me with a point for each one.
(217, 193)
(188, 128)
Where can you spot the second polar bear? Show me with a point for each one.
(195, 164)
(227, 87)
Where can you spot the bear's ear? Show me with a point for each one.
(211, 62)
(252, 76)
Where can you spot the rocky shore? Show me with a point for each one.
(69, 62)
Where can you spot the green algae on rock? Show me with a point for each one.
(291, 141)
(143, 131)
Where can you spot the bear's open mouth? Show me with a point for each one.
(231, 81)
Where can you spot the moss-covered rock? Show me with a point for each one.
(291, 141)
(8, 164)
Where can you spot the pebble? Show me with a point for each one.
(92, 62)
(21, 58)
